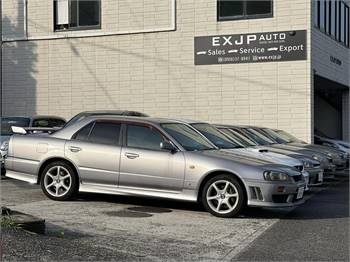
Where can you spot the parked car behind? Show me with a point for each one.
(29, 123)
(149, 157)
(338, 158)
(222, 141)
(312, 166)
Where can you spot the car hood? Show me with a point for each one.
(269, 156)
(324, 149)
(246, 160)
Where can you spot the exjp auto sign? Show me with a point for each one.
(250, 48)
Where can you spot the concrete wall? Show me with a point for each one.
(155, 72)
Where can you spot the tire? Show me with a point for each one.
(231, 196)
(62, 187)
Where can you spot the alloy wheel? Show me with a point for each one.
(57, 181)
(222, 196)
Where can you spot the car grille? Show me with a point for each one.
(298, 178)
(300, 168)
(316, 165)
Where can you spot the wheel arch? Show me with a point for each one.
(55, 159)
(216, 173)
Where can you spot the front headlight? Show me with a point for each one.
(315, 157)
(276, 176)
(308, 164)
(329, 155)
(4, 146)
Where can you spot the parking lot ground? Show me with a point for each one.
(105, 227)
(316, 231)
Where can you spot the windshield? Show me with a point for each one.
(275, 136)
(188, 138)
(243, 140)
(8, 122)
(288, 136)
(257, 137)
(216, 137)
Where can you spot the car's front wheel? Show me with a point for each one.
(223, 196)
(58, 181)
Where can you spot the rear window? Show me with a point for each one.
(48, 122)
(8, 122)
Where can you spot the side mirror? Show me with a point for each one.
(18, 130)
(167, 146)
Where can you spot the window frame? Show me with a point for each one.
(93, 124)
(244, 16)
(76, 28)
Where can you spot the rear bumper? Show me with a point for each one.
(269, 194)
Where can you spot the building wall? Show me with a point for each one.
(324, 48)
(154, 72)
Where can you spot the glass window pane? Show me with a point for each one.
(188, 138)
(89, 12)
(259, 7)
(83, 134)
(347, 26)
(73, 22)
(327, 28)
(333, 17)
(143, 137)
(105, 133)
(322, 15)
(342, 22)
(229, 8)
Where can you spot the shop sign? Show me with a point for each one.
(250, 48)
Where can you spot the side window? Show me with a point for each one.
(83, 134)
(105, 133)
(143, 137)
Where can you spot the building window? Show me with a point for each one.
(332, 18)
(77, 14)
(244, 9)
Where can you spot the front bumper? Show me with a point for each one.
(316, 176)
(269, 194)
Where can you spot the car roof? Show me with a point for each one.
(116, 112)
(152, 120)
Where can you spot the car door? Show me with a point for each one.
(95, 150)
(144, 165)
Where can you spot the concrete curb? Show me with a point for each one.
(24, 221)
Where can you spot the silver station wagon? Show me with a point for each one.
(149, 157)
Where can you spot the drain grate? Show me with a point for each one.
(150, 209)
(125, 213)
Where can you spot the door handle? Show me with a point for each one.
(131, 155)
(74, 149)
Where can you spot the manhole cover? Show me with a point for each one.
(125, 213)
(150, 209)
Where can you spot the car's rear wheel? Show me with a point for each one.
(223, 196)
(59, 181)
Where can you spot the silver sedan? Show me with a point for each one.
(150, 157)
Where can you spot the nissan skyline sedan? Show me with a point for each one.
(149, 157)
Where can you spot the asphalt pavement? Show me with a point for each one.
(104, 227)
(315, 231)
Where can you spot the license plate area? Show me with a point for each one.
(300, 193)
(320, 177)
